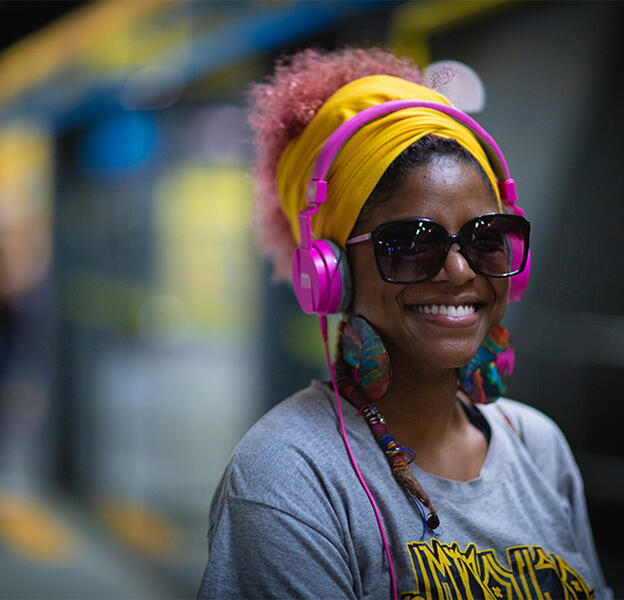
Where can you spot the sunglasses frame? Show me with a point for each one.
(451, 238)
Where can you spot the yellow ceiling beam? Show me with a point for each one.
(413, 23)
(41, 54)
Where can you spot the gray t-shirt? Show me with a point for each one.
(291, 520)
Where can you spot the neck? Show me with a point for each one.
(421, 407)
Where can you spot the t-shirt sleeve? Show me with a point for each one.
(259, 551)
(277, 526)
(580, 521)
(580, 518)
(551, 452)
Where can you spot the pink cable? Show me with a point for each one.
(323, 324)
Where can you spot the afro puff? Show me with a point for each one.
(280, 109)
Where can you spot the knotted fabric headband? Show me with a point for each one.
(363, 160)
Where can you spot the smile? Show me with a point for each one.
(449, 310)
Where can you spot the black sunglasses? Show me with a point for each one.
(415, 250)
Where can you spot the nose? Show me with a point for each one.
(456, 268)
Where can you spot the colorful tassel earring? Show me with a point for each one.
(484, 378)
(363, 350)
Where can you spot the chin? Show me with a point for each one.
(445, 358)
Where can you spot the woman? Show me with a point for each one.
(437, 498)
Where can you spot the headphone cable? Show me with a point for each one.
(323, 325)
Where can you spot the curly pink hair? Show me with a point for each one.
(280, 109)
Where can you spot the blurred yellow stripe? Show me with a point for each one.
(434, 15)
(30, 529)
(41, 54)
(138, 527)
(413, 23)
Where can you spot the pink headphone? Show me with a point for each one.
(321, 274)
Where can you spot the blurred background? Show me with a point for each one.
(140, 335)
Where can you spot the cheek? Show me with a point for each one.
(371, 295)
(367, 296)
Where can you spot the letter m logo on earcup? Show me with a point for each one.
(304, 281)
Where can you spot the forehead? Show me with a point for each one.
(446, 190)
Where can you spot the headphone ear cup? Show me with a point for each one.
(322, 278)
(519, 282)
(346, 280)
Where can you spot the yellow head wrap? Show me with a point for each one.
(362, 161)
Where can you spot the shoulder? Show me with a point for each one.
(279, 502)
(542, 438)
(311, 407)
(288, 452)
(287, 473)
(536, 429)
(298, 424)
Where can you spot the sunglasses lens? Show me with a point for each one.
(496, 244)
(409, 251)
(413, 251)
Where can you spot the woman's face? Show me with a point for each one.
(450, 192)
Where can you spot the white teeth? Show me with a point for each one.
(451, 311)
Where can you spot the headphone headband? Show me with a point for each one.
(339, 137)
